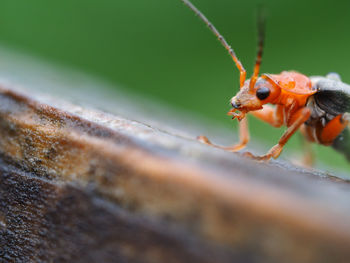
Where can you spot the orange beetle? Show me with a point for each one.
(316, 105)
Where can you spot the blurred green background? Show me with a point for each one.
(159, 49)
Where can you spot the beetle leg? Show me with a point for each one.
(243, 138)
(308, 155)
(299, 117)
(272, 115)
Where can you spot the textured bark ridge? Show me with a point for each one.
(81, 185)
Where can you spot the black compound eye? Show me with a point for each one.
(262, 93)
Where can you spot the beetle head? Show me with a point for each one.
(253, 97)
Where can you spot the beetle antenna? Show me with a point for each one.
(261, 21)
(221, 39)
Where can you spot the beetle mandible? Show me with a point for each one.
(318, 106)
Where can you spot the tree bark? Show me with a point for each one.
(81, 185)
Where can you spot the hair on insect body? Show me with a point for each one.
(318, 106)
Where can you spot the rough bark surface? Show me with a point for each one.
(79, 185)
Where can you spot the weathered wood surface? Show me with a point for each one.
(81, 185)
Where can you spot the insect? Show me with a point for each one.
(318, 106)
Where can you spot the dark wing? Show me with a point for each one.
(332, 96)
